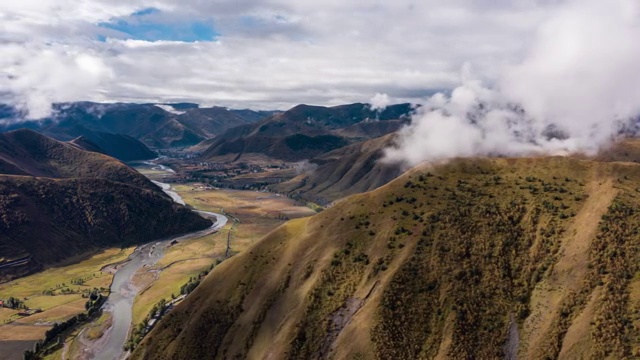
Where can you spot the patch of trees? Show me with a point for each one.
(193, 283)
(52, 337)
(140, 330)
(14, 303)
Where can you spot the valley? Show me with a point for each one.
(317, 248)
(155, 271)
(59, 293)
(482, 245)
(319, 180)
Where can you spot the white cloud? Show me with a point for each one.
(578, 79)
(379, 101)
(270, 53)
(36, 77)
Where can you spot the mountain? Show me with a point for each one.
(155, 125)
(58, 201)
(305, 131)
(215, 120)
(30, 153)
(345, 171)
(83, 143)
(121, 147)
(534, 258)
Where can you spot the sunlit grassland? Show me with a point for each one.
(257, 214)
(36, 291)
(180, 262)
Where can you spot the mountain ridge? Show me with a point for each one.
(58, 201)
(305, 131)
(446, 261)
(345, 171)
(154, 125)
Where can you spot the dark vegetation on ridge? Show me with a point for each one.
(57, 202)
(479, 258)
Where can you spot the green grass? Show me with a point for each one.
(55, 279)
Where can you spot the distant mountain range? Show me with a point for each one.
(114, 127)
(305, 131)
(127, 131)
(58, 201)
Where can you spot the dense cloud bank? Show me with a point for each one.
(576, 90)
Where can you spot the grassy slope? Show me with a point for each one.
(258, 213)
(434, 266)
(33, 154)
(345, 171)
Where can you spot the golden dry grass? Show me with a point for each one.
(241, 203)
(179, 263)
(13, 332)
(169, 282)
(569, 271)
(264, 302)
(258, 214)
(97, 328)
(7, 314)
(576, 344)
(32, 286)
(58, 307)
(57, 313)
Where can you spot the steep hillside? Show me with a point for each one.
(305, 131)
(487, 259)
(58, 201)
(83, 143)
(121, 146)
(627, 150)
(25, 152)
(345, 171)
(46, 221)
(371, 129)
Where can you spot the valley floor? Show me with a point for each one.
(251, 215)
(58, 292)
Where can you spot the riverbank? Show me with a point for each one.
(256, 214)
(58, 292)
(124, 291)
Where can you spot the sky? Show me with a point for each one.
(576, 89)
(260, 54)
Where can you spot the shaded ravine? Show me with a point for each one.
(123, 292)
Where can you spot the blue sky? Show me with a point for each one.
(150, 24)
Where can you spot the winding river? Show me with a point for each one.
(123, 292)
